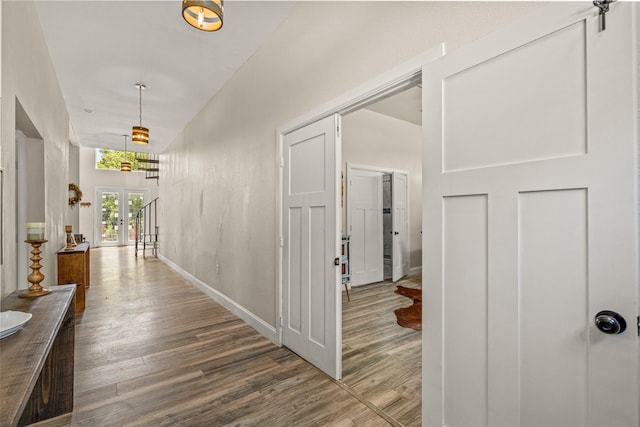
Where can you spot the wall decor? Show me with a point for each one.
(76, 194)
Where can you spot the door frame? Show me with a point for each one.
(393, 81)
(405, 233)
(383, 170)
(123, 191)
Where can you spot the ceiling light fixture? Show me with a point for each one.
(125, 166)
(139, 134)
(204, 15)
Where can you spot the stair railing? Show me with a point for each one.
(150, 163)
(146, 223)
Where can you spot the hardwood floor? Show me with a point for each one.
(153, 350)
(382, 361)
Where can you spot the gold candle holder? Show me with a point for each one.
(35, 290)
(71, 241)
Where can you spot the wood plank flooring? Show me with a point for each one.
(153, 350)
(382, 361)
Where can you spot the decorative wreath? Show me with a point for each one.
(77, 194)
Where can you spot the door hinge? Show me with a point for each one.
(281, 162)
(638, 325)
(281, 322)
(336, 261)
(282, 242)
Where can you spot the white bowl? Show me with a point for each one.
(12, 321)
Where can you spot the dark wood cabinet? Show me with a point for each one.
(37, 363)
(74, 267)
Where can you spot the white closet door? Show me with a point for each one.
(366, 254)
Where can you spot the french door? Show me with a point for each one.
(115, 218)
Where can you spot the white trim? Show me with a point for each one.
(389, 83)
(375, 168)
(279, 234)
(247, 316)
(393, 81)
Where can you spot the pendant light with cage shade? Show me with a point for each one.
(204, 15)
(139, 134)
(125, 166)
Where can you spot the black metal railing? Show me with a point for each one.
(150, 163)
(147, 228)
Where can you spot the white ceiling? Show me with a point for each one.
(100, 49)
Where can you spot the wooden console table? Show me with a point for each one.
(73, 267)
(37, 362)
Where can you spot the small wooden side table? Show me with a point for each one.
(74, 267)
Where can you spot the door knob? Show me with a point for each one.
(610, 322)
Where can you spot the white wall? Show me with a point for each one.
(28, 76)
(35, 180)
(373, 139)
(91, 178)
(218, 197)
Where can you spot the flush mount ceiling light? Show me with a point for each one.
(139, 134)
(125, 166)
(203, 15)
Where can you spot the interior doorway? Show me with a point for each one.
(30, 185)
(377, 219)
(381, 153)
(407, 75)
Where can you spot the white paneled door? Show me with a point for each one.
(311, 314)
(366, 251)
(400, 224)
(530, 210)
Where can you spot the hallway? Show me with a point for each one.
(151, 349)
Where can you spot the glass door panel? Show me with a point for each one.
(109, 220)
(117, 215)
(136, 200)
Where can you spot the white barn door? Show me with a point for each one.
(530, 210)
(311, 314)
(364, 222)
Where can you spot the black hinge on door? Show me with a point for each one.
(336, 261)
(638, 325)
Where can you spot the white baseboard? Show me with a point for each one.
(251, 319)
(415, 270)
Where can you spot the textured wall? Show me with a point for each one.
(219, 195)
(28, 76)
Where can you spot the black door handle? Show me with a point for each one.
(610, 322)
